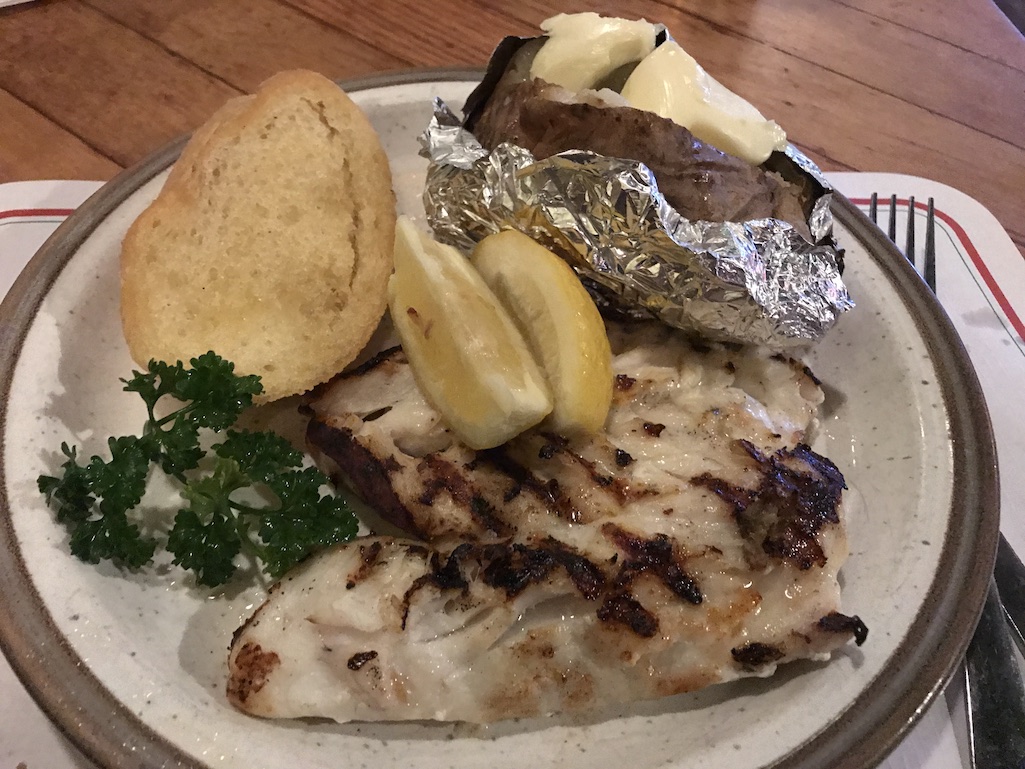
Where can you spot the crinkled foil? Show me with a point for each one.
(754, 282)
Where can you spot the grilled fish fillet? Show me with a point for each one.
(696, 540)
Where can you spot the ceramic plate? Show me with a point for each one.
(131, 666)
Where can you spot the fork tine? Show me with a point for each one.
(873, 208)
(930, 246)
(891, 229)
(909, 237)
(909, 248)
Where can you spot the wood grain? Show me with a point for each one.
(919, 87)
(245, 43)
(974, 25)
(451, 33)
(34, 147)
(109, 86)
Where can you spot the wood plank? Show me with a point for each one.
(34, 147)
(446, 33)
(971, 24)
(245, 43)
(119, 92)
(946, 79)
(913, 140)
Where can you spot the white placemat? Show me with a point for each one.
(980, 280)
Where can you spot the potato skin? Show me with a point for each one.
(699, 181)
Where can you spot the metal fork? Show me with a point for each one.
(993, 683)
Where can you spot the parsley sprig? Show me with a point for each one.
(95, 499)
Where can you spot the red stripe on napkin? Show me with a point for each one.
(20, 213)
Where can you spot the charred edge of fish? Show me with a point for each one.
(368, 559)
(811, 375)
(799, 503)
(367, 474)
(654, 429)
(254, 620)
(756, 655)
(444, 576)
(371, 363)
(806, 501)
(835, 622)
(359, 659)
(445, 476)
(305, 407)
(655, 555)
(250, 670)
(797, 366)
(623, 609)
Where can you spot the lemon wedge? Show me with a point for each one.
(560, 322)
(467, 355)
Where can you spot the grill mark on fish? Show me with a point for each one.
(371, 363)
(359, 659)
(794, 504)
(367, 472)
(368, 556)
(510, 567)
(253, 666)
(623, 609)
(655, 555)
(548, 492)
(756, 655)
(514, 567)
(444, 576)
(443, 475)
(835, 622)
(376, 414)
(618, 487)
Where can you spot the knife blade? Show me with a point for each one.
(996, 695)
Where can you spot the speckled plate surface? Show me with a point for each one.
(131, 667)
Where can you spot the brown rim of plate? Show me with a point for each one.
(112, 736)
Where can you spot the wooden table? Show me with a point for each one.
(88, 87)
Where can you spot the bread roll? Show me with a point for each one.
(271, 241)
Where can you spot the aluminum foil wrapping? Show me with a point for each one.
(758, 282)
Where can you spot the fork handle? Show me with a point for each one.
(996, 696)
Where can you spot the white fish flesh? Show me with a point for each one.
(694, 541)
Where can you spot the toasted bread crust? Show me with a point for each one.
(271, 241)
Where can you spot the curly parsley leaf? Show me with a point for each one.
(95, 501)
(304, 521)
